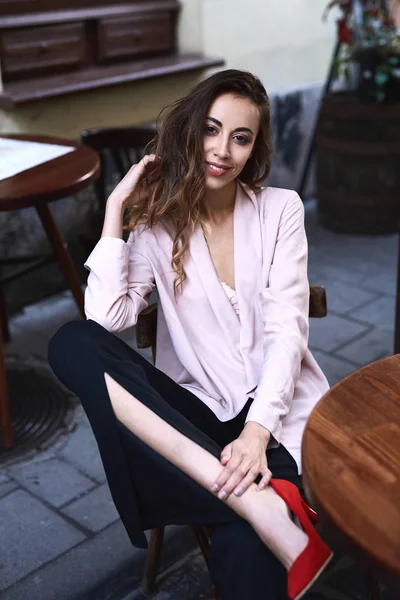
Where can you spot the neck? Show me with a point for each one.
(220, 203)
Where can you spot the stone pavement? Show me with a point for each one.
(60, 535)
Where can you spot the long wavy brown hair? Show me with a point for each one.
(179, 176)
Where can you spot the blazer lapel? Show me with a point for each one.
(248, 248)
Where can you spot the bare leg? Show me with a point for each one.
(264, 510)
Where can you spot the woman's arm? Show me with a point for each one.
(284, 305)
(121, 276)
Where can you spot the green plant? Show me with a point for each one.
(368, 37)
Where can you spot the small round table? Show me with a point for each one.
(35, 187)
(351, 465)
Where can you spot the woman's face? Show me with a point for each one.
(230, 132)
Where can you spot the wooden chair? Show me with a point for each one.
(146, 330)
(124, 145)
(118, 148)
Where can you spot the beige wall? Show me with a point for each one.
(119, 105)
(282, 41)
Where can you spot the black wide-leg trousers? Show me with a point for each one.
(148, 491)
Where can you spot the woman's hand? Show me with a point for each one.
(130, 189)
(244, 459)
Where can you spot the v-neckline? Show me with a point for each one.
(233, 246)
(247, 247)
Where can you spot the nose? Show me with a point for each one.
(222, 147)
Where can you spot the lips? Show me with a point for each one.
(217, 169)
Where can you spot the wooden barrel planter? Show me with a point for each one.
(358, 166)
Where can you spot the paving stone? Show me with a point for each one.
(325, 274)
(54, 480)
(343, 297)
(35, 535)
(375, 344)
(95, 510)
(334, 368)
(81, 450)
(384, 283)
(31, 344)
(48, 315)
(331, 332)
(190, 582)
(7, 486)
(85, 571)
(380, 312)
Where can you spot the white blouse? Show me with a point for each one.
(232, 297)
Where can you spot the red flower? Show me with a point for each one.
(388, 22)
(344, 31)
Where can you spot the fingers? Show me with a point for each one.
(128, 189)
(246, 482)
(266, 476)
(233, 481)
(238, 479)
(226, 454)
(225, 474)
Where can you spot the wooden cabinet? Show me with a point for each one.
(135, 36)
(26, 52)
(50, 48)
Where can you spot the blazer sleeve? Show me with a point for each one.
(284, 307)
(120, 281)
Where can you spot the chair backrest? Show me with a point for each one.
(124, 145)
(146, 327)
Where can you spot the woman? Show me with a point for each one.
(213, 433)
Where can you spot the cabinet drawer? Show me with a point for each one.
(34, 50)
(136, 35)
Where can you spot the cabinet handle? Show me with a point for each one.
(43, 47)
(137, 34)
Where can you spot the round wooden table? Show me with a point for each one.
(51, 180)
(36, 187)
(351, 465)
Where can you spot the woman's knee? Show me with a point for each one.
(70, 344)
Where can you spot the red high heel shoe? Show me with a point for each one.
(316, 555)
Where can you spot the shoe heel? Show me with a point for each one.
(310, 512)
(309, 565)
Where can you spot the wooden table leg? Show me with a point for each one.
(62, 254)
(397, 318)
(3, 318)
(5, 413)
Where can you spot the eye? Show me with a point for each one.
(241, 139)
(210, 130)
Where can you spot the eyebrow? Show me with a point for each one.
(237, 128)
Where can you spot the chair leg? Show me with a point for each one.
(5, 412)
(153, 560)
(217, 594)
(4, 318)
(202, 540)
(372, 590)
(62, 254)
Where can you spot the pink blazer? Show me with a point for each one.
(201, 343)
